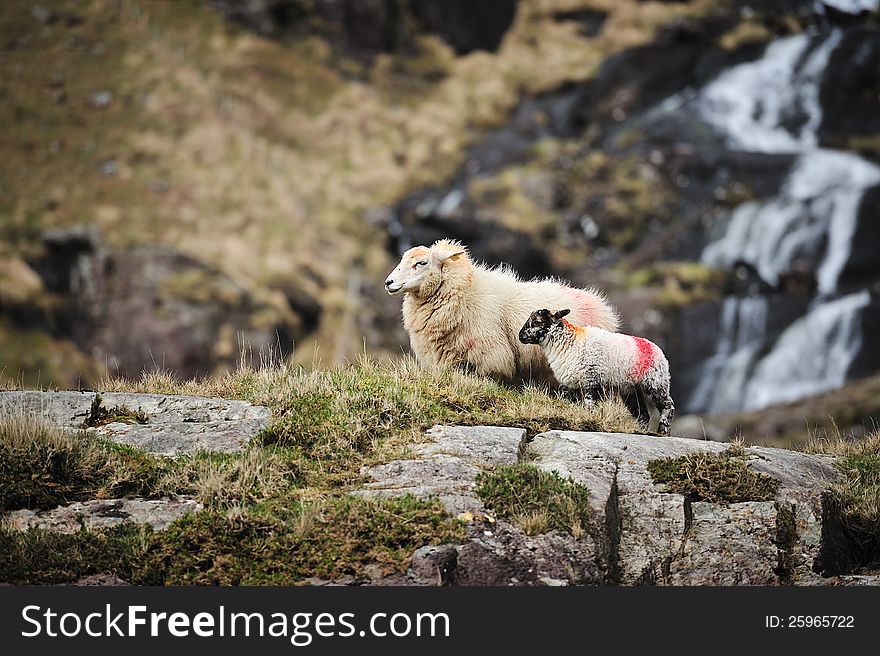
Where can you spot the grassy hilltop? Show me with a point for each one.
(279, 511)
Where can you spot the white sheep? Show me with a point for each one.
(592, 362)
(462, 314)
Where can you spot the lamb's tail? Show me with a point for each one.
(591, 308)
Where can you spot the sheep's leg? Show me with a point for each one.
(591, 394)
(572, 394)
(666, 407)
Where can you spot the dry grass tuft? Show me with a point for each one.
(857, 493)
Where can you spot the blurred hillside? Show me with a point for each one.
(182, 179)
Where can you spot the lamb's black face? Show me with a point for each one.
(539, 324)
(537, 327)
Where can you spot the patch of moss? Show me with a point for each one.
(100, 415)
(716, 478)
(535, 500)
(280, 543)
(867, 145)
(745, 33)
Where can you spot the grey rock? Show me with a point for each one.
(481, 445)
(101, 98)
(495, 552)
(640, 533)
(653, 536)
(443, 476)
(174, 424)
(102, 580)
(503, 555)
(434, 565)
(103, 513)
(446, 466)
(733, 545)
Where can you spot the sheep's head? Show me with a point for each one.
(539, 325)
(421, 268)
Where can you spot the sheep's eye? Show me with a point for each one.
(418, 264)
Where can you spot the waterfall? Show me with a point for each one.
(811, 220)
(853, 6)
(754, 103)
(724, 376)
(811, 356)
(772, 106)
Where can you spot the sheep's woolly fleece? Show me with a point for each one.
(463, 314)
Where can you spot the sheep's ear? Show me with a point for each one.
(561, 313)
(448, 255)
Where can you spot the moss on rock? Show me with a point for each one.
(536, 501)
(717, 478)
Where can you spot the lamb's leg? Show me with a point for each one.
(666, 407)
(634, 400)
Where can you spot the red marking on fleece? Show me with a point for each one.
(583, 305)
(645, 356)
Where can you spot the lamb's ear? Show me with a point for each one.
(561, 313)
(442, 256)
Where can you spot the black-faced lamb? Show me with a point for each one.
(462, 314)
(592, 362)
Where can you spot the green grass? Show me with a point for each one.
(336, 420)
(42, 466)
(277, 545)
(535, 500)
(717, 478)
(679, 284)
(38, 556)
(274, 544)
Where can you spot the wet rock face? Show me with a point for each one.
(467, 25)
(863, 267)
(155, 303)
(371, 26)
(640, 533)
(851, 88)
(153, 307)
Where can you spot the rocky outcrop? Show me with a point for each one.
(157, 423)
(496, 552)
(660, 537)
(367, 27)
(153, 307)
(640, 533)
(103, 513)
